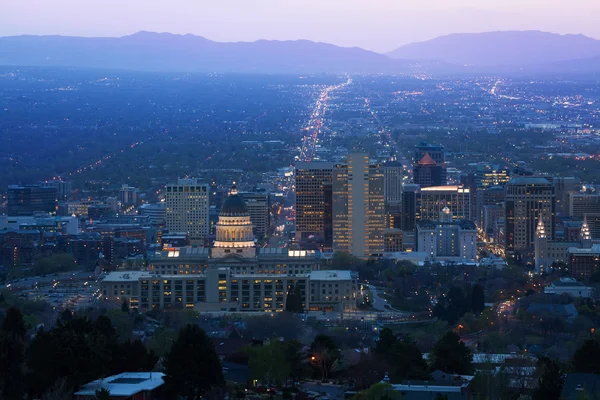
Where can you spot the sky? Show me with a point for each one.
(378, 25)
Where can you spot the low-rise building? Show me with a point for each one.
(571, 287)
(127, 385)
(448, 240)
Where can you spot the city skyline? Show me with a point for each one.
(379, 26)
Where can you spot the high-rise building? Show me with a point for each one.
(528, 200)
(392, 183)
(26, 200)
(489, 175)
(429, 168)
(128, 195)
(258, 206)
(187, 209)
(434, 199)
(410, 207)
(586, 205)
(564, 188)
(63, 188)
(313, 201)
(358, 207)
(490, 196)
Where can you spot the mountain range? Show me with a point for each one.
(527, 52)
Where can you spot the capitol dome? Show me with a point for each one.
(234, 228)
(234, 204)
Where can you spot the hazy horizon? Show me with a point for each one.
(381, 25)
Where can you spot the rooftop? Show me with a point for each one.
(529, 180)
(126, 384)
(125, 276)
(331, 275)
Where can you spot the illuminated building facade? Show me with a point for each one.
(434, 199)
(187, 209)
(233, 275)
(358, 207)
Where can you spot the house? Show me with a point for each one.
(125, 386)
(567, 311)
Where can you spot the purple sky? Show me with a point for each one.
(379, 25)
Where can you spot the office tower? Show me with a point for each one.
(489, 175)
(313, 218)
(528, 200)
(63, 188)
(564, 187)
(429, 168)
(410, 207)
(128, 195)
(358, 207)
(468, 181)
(187, 209)
(258, 206)
(392, 183)
(393, 214)
(490, 196)
(26, 200)
(434, 199)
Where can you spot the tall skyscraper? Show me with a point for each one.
(358, 207)
(26, 200)
(258, 206)
(564, 187)
(529, 200)
(429, 168)
(313, 202)
(410, 207)
(128, 195)
(392, 184)
(434, 199)
(488, 175)
(187, 209)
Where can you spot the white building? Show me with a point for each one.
(187, 209)
(571, 287)
(43, 222)
(156, 212)
(448, 240)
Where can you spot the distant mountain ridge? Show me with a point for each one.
(509, 52)
(190, 53)
(501, 48)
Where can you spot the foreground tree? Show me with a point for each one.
(550, 382)
(12, 357)
(451, 355)
(269, 363)
(192, 366)
(323, 354)
(586, 358)
(13, 323)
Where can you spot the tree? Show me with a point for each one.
(477, 299)
(268, 363)
(407, 361)
(386, 340)
(379, 391)
(323, 354)
(13, 323)
(192, 366)
(132, 356)
(293, 302)
(74, 350)
(451, 355)
(125, 306)
(102, 394)
(12, 357)
(550, 382)
(586, 357)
